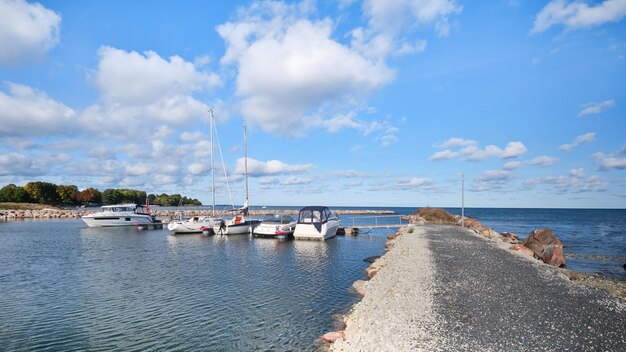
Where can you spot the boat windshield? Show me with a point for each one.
(277, 218)
(311, 216)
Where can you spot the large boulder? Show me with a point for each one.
(546, 246)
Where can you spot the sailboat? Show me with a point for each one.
(241, 223)
(200, 224)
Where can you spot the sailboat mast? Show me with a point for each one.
(245, 159)
(212, 166)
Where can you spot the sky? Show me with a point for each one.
(346, 103)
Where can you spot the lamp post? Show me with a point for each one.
(462, 199)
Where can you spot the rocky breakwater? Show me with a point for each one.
(541, 243)
(45, 213)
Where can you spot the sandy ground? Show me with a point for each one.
(443, 288)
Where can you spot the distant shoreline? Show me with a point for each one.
(49, 212)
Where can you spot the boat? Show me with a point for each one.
(120, 215)
(275, 225)
(241, 223)
(316, 222)
(200, 224)
(195, 224)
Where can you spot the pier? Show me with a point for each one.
(352, 225)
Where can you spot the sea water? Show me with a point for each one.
(68, 287)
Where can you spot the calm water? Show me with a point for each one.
(67, 287)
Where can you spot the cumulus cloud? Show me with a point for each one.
(469, 150)
(131, 78)
(391, 21)
(258, 168)
(578, 14)
(491, 180)
(583, 138)
(596, 108)
(290, 69)
(137, 90)
(27, 31)
(26, 111)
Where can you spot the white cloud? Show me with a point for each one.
(415, 184)
(25, 111)
(145, 90)
(607, 162)
(512, 165)
(199, 168)
(271, 167)
(17, 164)
(27, 31)
(543, 161)
(491, 180)
(578, 14)
(596, 108)
(291, 70)
(290, 181)
(469, 150)
(575, 181)
(133, 79)
(583, 138)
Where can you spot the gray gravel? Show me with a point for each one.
(481, 296)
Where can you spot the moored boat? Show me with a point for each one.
(120, 215)
(276, 225)
(316, 222)
(195, 224)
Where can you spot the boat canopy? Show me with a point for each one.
(315, 214)
(277, 219)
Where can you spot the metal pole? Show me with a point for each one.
(462, 199)
(212, 166)
(245, 159)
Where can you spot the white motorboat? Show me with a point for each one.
(316, 222)
(195, 224)
(120, 215)
(276, 225)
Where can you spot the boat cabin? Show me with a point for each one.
(315, 215)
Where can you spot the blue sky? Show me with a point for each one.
(347, 102)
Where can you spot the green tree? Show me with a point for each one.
(42, 192)
(111, 196)
(13, 193)
(68, 194)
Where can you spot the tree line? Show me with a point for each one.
(49, 193)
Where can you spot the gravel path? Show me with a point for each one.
(444, 288)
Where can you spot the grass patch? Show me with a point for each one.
(436, 215)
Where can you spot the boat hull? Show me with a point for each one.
(274, 230)
(184, 227)
(243, 228)
(310, 232)
(94, 220)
